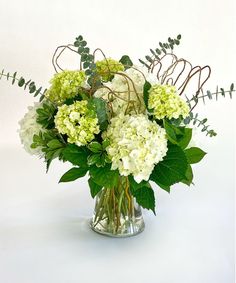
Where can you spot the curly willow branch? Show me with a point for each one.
(165, 75)
(186, 73)
(57, 54)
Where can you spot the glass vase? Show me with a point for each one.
(116, 212)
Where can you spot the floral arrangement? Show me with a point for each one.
(122, 124)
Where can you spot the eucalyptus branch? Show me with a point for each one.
(162, 49)
(21, 82)
(200, 123)
(219, 91)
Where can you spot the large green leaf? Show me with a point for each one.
(135, 186)
(172, 169)
(164, 187)
(170, 131)
(77, 155)
(145, 197)
(188, 180)
(94, 188)
(194, 154)
(183, 143)
(73, 174)
(104, 176)
(143, 193)
(178, 135)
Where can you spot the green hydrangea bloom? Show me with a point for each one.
(78, 122)
(104, 67)
(65, 85)
(166, 103)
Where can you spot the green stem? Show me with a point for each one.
(114, 206)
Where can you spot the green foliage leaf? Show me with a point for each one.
(51, 144)
(95, 147)
(99, 155)
(171, 132)
(105, 144)
(194, 154)
(101, 110)
(134, 186)
(145, 197)
(94, 159)
(94, 188)
(188, 176)
(172, 169)
(73, 174)
(183, 143)
(146, 89)
(45, 115)
(77, 155)
(54, 144)
(178, 135)
(126, 61)
(104, 176)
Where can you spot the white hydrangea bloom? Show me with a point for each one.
(136, 145)
(29, 127)
(126, 89)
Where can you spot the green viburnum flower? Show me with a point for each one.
(78, 122)
(106, 66)
(166, 103)
(65, 85)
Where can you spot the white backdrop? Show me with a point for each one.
(44, 235)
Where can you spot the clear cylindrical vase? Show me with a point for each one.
(116, 212)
